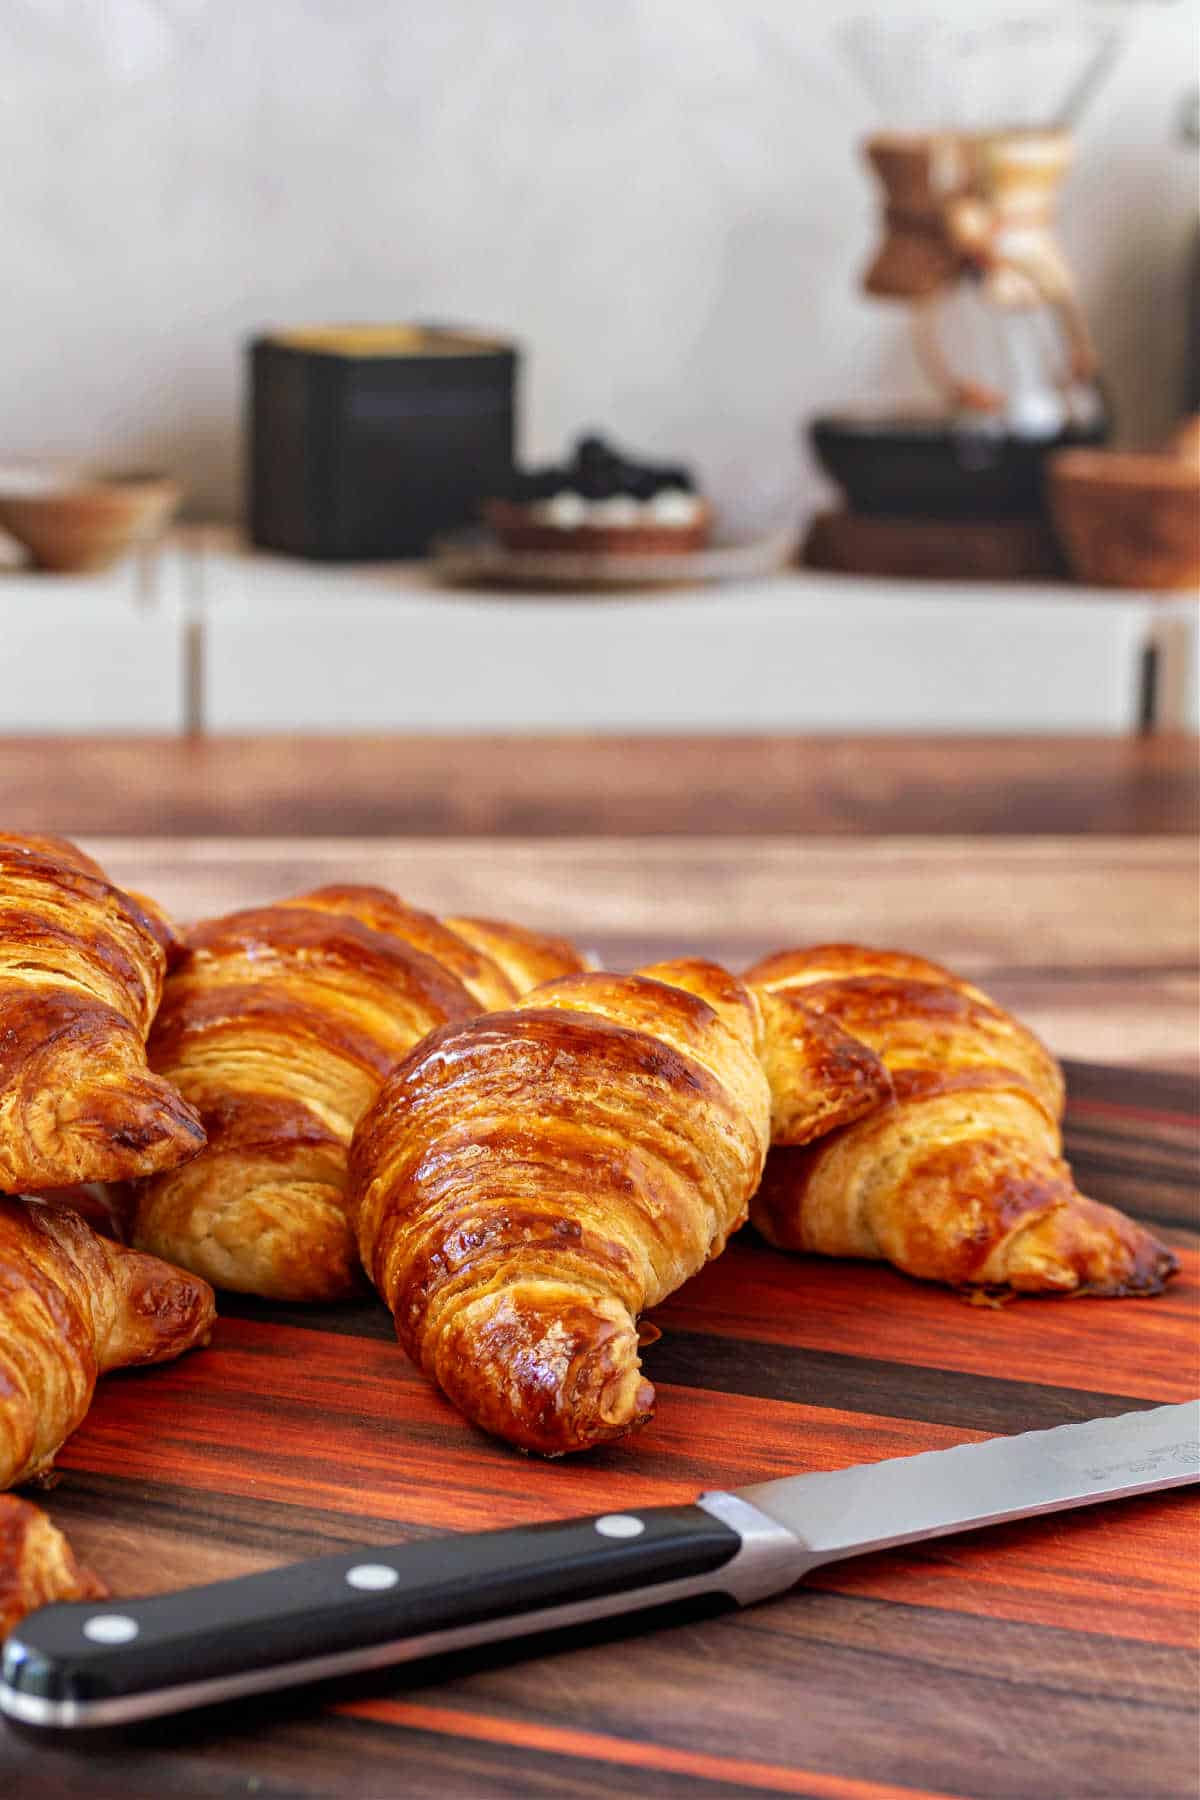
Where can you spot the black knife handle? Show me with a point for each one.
(105, 1662)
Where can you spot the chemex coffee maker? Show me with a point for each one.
(952, 485)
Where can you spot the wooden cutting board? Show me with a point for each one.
(1052, 1658)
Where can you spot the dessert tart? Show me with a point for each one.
(601, 502)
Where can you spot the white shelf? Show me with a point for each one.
(1176, 636)
(81, 653)
(291, 645)
(209, 633)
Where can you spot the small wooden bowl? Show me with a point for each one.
(73, 519)
(1128, 520)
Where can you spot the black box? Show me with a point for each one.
(368, 441)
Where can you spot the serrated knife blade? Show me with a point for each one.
(878, 1506)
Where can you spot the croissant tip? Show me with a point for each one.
(116, 1133)
(1151, 1270)
(626, 1401)
(1150, 1266)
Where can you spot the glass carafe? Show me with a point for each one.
(977, 144)
(969, 245)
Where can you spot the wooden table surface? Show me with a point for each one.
(524, 787)
(1049, 1659)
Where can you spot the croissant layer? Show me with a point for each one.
(279, 1026)
(820, 1075)
(82, 966)
(957, 1175)
(74, 1305)
(526, 1184)
(37, 1565)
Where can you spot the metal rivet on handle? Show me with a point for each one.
(620, 1525)
(371, 1578)
(110, 1628)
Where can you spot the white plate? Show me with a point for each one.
(478, 559)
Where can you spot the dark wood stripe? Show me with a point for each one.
(1166, 1203)
(300, 1746)
(365, 1317)
(731, 1774)
(861, 1384)
(532, 1759)
(1158, 1092)
(377, 1747)
(754, 1293)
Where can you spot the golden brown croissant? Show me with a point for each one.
(73, 1306)
(960, 1176)
(279, 1026)
(81, 972)
(527, 1183)
(37, 1564)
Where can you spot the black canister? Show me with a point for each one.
(367, 441)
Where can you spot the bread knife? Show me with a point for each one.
(87, 1663)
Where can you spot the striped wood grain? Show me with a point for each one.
(511, 786)
(1067, 1643)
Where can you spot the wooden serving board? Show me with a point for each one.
(1052, 1658)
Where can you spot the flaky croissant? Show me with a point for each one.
(959, 1177)
(526, 1184)
(74, 1305)
(81, 972)
(279, 1026)
(37, 1565)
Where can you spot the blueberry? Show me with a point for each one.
(643, 484)
(591, 452)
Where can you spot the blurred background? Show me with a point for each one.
(661, 200)
(878, 325)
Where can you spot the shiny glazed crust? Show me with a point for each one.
(525, 1185)
(81, 971)
(37, 1565)
(959, 1177)
(73, 1306)
(279, 1026)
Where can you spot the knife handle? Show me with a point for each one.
(97, 1663)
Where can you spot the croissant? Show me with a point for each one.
(37, 1564)
(527, 1183)
(959, 1176)
(74, 1305)
(81, 972)
(279, 1026)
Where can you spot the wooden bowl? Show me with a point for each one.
(73, 519)
(1126, 519)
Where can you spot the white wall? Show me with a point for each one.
(659, 197)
